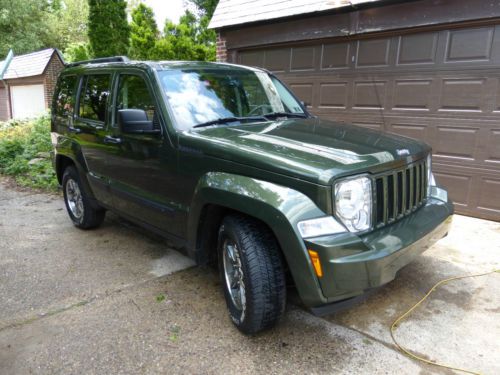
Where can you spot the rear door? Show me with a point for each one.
(89, 125)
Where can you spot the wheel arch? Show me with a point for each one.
(279, 208)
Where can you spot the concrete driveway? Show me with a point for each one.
(118, 300)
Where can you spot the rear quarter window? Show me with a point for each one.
(94, 97)
(64, 99)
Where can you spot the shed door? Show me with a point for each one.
(27, 101)
(439, 86)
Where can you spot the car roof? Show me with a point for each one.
(155, 65)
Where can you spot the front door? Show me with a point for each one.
(140, 166)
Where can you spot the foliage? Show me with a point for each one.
(206, 7)
(188, 40)
(77, 52)
(108, 29)
(30, 25)
(25, 141)
(68, 23)
(22, 25)
(143, 32)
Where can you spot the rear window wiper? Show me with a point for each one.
(275, 115)
(226, 120)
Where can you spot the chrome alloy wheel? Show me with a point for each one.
(74, 198)
(233, 273)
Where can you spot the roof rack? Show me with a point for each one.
(100, 60)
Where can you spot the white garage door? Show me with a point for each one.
(27, 101)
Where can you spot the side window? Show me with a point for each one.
(94, 97)
(64, 103)
(133, 93)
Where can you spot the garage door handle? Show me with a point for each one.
(112, 140)
(74, 130)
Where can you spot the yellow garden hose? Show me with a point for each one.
(394, 325)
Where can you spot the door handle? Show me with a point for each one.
(71, 129)
(112, 140)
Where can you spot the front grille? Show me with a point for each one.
(399, 193)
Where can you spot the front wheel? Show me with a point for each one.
(80, 210)
(252, 274)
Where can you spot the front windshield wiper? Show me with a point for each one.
(226, 120)
(275, 115)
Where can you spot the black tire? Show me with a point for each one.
(86, 216)
(262, 269)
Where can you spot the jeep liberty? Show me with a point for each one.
(226, 163)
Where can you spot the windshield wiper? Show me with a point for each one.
(226, 120)
(285, 114)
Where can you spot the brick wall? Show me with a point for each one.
(52, 71)
(221, 54)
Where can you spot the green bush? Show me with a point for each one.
(25, 148)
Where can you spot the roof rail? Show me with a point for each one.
(100, 60)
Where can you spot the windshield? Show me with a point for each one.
(197, 96)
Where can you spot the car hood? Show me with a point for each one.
(311, 149)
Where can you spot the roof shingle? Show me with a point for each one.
(31, 64)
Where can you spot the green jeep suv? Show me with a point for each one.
(225, 162)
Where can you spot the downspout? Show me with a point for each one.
(3, 69)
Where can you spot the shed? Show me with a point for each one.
(28, 83)
(428, 69)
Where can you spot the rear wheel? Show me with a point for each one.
(78, 205)
(252, 274)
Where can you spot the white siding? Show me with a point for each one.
(235, 12)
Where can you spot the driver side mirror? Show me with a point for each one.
(135, 121)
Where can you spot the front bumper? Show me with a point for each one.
(352, 263)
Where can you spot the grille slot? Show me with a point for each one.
(399, 193)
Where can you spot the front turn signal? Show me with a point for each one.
(316, 262)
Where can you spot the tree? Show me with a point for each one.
(108, 29)
(206, 7)
(188, 40)
(23, 25)
(68, 23)
(143, 32)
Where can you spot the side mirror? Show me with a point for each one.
(135, 121)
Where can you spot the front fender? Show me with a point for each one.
(279, 207)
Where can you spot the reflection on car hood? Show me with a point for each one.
(312, 149)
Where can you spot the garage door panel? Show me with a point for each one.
(304, 92)
(489, 196)
(252, 58)
(458, 185)
(410, 130)
(335, 56)
(493, 146)
(303, 58)
(417, 49)
(277, 60)
(373, 52)
(469, 44)
(462, 94)
(412, 94)
(333, 95)
(369, 94)
(456, 142)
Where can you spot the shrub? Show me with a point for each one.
(25, 148)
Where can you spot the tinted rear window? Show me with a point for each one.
(94, 97)
(64, 104)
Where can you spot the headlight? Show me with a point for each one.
(321, 226)
(353, 203)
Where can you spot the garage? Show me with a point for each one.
(439, 83)
(27, 101)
